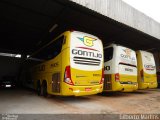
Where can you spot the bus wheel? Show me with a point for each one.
(44, 89)
(38, 88)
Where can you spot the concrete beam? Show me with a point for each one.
(123, 13)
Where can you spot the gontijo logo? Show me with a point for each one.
(88, 41)
(127, 51)
(127, 54)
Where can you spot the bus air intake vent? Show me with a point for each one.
(86, 61)
(107, 82)
(56, 82)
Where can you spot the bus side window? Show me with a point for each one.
(108, 54)
(52, 50)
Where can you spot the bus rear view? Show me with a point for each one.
(72, 65)
(146, 70)
(84, 75)
(120, 69)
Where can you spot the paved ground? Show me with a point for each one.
(25, 101)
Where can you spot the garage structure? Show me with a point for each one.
(28, 25)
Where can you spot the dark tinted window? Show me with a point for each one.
(108, 54)
(50, 51)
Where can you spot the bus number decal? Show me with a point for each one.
(54, 64)
(128, 69)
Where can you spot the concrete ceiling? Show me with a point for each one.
(25, 25)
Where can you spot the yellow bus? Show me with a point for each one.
(72, 65)
(146, 70)
(120, 69)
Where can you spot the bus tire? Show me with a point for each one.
(44, 89)
(38, 88)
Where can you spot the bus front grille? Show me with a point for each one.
(86, 61)
(107, 82)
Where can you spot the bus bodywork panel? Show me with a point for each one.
(120, 69)
(46, 71)
(146, 70)
(68, 73)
